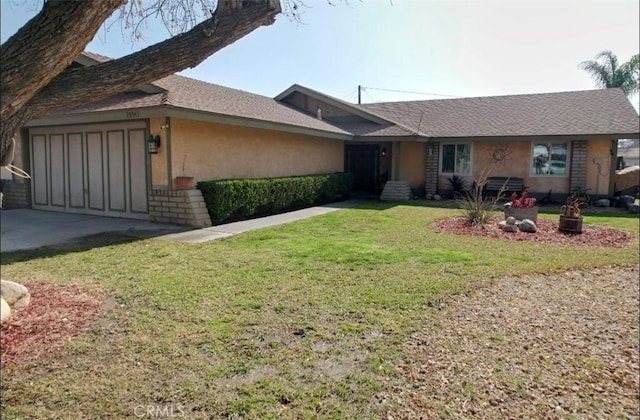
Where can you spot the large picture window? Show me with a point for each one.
(456, 159)
(549, 159)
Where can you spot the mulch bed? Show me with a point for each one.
(56, 314)
(547, 232)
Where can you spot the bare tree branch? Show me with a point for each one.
(232, 20)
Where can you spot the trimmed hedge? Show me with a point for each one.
(234, 199)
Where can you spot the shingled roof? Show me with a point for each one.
(605, 112)
(593, 112)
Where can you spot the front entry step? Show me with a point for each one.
(396, 191)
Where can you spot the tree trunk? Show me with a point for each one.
(44, 47)
(231, 21)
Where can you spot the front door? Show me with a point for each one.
(363, 162)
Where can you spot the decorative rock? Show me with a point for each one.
(510, 228)
(603, 203)
(14, 294)
(5, 310)
(429, 196)
(511, 220)
(527, 226)
(507, 205)
(437, 197)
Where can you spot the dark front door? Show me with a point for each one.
(363, 162)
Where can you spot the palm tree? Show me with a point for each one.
(608, 73)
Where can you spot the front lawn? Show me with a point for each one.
(299, 321)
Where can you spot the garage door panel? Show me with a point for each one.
(39, 169)
(95, 171)
(75, 159)
(138, 171)
(116, 166)
(56, 169)
(98, 169)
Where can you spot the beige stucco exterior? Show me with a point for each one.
(159, 162)
(412, 163)
(516, 162)
(208, 151)
(598, 184)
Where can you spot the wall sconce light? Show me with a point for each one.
(153, 142)
(383, 152)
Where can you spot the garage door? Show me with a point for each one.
(90, 169)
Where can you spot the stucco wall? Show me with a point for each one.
(598, 185)
(413, 163)
(159, 163)
(517, 163)
(214, 151)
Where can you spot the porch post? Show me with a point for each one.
(578, 171)
(396, 161)
(431, 176)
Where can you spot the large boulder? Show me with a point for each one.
(527, 226)
(14, 294)
(5, 310)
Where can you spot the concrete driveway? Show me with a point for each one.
(30, 229)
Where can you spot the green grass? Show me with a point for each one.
(303, 320)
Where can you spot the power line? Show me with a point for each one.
(412, 92)
(349, 95)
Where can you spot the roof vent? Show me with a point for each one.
(319, 113)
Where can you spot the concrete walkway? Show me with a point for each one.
(229, 229)
(30, 229)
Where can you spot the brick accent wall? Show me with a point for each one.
(16, 195)
(578, 172)
(433, 152)
(181, 207)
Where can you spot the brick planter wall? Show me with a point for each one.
(16, 195)
(180, 207)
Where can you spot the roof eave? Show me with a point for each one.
(333, 102)
(117, 115)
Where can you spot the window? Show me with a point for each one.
(549, 159)
(456, 159)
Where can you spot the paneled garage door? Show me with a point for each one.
(90, 169)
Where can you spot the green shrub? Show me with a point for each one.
(233, 199)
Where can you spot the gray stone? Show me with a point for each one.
(511, 220)
(5, 310)
(437, 197)
(429, 196)
(527, 226)
(14, 294)
(507, 205)
(510, 228)
(603, 203)
(502, 224)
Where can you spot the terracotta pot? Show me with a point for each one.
(570, 224)
(530, 213)
(183, 183)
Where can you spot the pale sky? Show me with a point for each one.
(459, 48)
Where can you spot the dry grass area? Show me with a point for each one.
(537, 346)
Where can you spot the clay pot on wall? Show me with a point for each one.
(183, 183)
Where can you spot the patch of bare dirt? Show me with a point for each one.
(547, 232)
(537, 346)
(56, 314)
